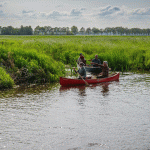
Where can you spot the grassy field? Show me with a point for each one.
(36, 59)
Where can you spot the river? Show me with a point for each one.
(108, 116)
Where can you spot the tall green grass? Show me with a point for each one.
(36, 58)
(5, 80)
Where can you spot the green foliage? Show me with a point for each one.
(31, 65)
(42, 58)
(5, 79)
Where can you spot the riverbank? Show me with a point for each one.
(42, 59)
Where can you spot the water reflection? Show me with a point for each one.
(82, 89)
(105, 88)
(19, 91)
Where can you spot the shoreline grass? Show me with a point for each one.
(5, 80)
(36, 59)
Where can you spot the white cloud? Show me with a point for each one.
(83, 16)
(141, 11)
(56, 15)
(26, 12)
(109, 11)
(75, 12)
(2, 14)
(2, 4)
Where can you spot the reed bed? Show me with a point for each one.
(38, 59)
(5, 80)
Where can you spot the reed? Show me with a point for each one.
(5, 80)
(43, 58)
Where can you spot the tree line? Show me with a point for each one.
(48, 30)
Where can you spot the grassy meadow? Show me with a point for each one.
(38, 59)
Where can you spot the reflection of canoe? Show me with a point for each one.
(74, 82)
(66, 88)
(93, 69)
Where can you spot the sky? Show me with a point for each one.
(81, 13)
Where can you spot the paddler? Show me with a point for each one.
(81, 59)
(81, 71)
(96, 62)
(105, 70)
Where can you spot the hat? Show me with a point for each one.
(80, 53)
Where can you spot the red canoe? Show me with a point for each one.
(73, 82)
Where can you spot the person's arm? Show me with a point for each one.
(75, 70)
(100, 65)
(92, 63)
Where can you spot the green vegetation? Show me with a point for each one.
(36, 59)
(5, 79)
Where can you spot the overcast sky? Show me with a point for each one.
(81, 13)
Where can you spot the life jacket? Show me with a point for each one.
(83, 60)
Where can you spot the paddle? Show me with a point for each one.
(81, 77)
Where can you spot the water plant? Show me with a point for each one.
(5, 80)
(35, 59)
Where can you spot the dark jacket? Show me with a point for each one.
(82, 72)
(96, 61)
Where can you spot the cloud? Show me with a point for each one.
(83, 16)
(55, 15)
(109, 10)
(114, 13)
(83, 8)
(141, 11)
(26, 12)
(2, 14)
(75, 12)
(2, 4)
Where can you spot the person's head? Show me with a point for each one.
(81, 56)
(105, 63)
(81, 64)
(96, 56)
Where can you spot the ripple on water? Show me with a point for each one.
(111, 115)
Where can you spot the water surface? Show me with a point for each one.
(113, 115)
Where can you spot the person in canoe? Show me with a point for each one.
(81, 59)
(96, 62)
(81, 71)
(105, 70)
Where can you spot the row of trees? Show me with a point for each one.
(16, 31)
(48, 30)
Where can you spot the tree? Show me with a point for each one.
(82, 30)
(21, 32)
(101, 31)
(28, 30)
(74, 29)
(88, 30)
(56, 29)
(37, 30)
(95, 30)
(108, 30)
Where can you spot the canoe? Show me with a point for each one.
(74, 82)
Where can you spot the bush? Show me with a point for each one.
(5, 80)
